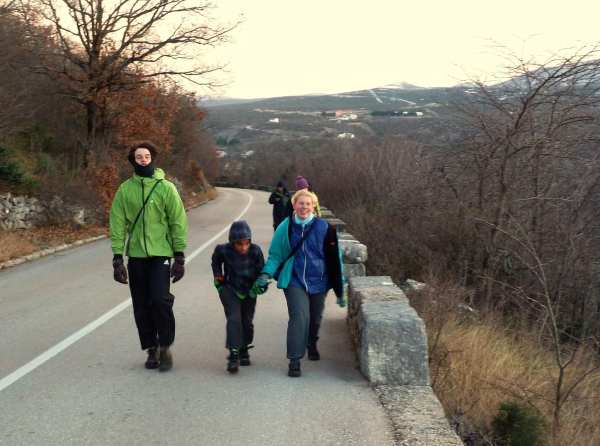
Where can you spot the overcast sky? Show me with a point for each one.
(327, 46)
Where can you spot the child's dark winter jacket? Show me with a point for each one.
(239, 271)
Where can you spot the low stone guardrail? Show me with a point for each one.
(391, 346)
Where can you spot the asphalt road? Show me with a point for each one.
(72, 372)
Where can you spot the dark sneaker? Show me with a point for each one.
(165, 359)
(313, 353)
(152, 361)
(245, 356)
(294, 369)
(233, 361)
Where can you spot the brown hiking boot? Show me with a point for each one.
(166, 359)
(152, 361)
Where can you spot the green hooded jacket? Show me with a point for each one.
(162, 225)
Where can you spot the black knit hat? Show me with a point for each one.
(239, 231)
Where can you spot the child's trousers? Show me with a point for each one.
(239, 314)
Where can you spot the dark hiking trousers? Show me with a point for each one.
(152, 302)
(305, 312)
(277, 220)
(239, 314)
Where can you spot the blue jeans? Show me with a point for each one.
(305, 312)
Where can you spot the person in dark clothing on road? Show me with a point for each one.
(305, 258)
(148, 224)
(279, 199)
(242, 262)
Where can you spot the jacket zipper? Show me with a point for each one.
(144, 221)
(304, 251)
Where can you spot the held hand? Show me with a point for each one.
(218, 282)
(262, 280)
(260, 286)
(177, 270)
(119, 272)
(252, 292)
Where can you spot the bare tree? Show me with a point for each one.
(103, 43)
(519, 149)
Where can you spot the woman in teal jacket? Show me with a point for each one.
(305, 259)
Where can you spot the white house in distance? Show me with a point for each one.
(345, 114)
(345, 135)
(274, 120)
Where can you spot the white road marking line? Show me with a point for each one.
(49, 354)
(201, 248)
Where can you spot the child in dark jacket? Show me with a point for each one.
(236, 265)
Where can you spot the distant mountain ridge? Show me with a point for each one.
(397, 86)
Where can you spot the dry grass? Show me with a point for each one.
(194, 199)
(477, 363)
(19, 243)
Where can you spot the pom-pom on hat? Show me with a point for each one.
(301, 183)
(280, 183)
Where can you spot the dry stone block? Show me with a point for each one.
(390, 337)
(337, 223)
(353, 252)
(353, 270)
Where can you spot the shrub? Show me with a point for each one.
(516, 425)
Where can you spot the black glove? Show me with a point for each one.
(177, 270)
(119, 272)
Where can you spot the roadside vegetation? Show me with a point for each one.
(80, 82)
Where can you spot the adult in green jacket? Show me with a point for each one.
(149, 225)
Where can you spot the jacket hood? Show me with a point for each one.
(239, 231)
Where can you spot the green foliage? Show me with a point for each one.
(11, 170)
(516, 425)
(38, 138)
(43, 164)
(221, 141)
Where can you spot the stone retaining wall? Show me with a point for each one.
(20, 212)
(23, 212)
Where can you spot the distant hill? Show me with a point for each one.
(388, 97)
(240, 126)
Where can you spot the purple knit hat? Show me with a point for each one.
(301, 183)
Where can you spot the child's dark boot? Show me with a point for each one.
(244, 355)
(233, 361)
